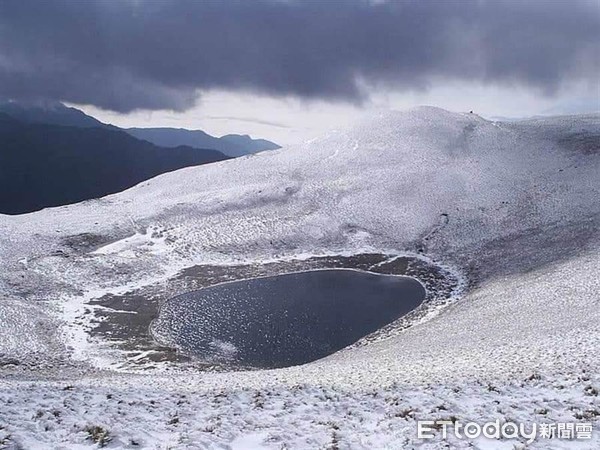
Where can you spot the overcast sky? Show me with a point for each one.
(287, 70)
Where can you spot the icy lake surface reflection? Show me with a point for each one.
(284, 320)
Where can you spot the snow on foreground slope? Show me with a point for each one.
(523, 215)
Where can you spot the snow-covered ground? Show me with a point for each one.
(514, 207)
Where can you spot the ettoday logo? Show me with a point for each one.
(426, 429)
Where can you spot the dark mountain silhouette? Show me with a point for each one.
(249, 145)
(44, 165)
(231, 144)
(55, 113)
(52, 113)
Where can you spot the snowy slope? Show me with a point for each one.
(514, 206)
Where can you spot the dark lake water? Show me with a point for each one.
(284, 320)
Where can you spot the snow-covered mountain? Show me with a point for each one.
(511, 209)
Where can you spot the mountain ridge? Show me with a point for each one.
(234, 145)
(45, 165)
(56, 113)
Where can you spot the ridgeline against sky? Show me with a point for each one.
(140, 54)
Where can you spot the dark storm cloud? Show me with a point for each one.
(149, 54)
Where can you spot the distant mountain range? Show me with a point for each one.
(52, 155)
(56, 113)
(232, 144)
(44, 165)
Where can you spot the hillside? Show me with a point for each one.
(50, 113)
(508, 212)
(45, 165)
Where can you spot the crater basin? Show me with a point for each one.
(284, 320)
